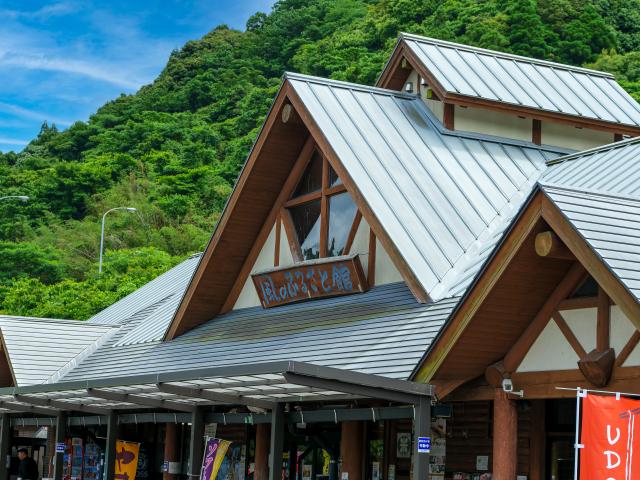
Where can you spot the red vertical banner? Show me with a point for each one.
(610, 436)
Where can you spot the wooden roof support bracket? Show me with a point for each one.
(516, 354)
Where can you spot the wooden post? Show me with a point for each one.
(110, 453)
(276, 446)
(5, 445)
(351, 450)
(262, 452)
(61, 433)
(171, 451)
(505, 437)
(196, 444)
(537, 440)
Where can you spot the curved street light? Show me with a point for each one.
(128, 209)
(22, 198)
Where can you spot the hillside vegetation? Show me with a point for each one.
(173, 149)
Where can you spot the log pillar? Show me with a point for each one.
(5, 445)
(537, 440)
(262, 452)
(171, 451)
(505, 437)
(352, 449)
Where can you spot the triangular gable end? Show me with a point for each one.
(457, 75)
(276, 162)
(520, 307)
(7, 377)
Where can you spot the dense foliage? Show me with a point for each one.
(174, 148)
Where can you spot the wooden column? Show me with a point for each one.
(262, 452)
(351, 449)
(505, 437)
(171, 449)
(61, 433)
(537, 440)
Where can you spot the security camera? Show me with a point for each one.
(507, 385)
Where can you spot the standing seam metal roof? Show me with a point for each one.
(169, 283)
(39, 347)
(611, 169)
(439, 197)
(383, 331)
(526, 82)
(610, 225)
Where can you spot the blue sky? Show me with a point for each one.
(61, 60)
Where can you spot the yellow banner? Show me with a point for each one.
(126, 460)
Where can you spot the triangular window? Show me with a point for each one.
(321, 212)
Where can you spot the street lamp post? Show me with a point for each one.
(22, 198)
(128, 209)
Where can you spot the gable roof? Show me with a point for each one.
(439, 195)
(610, 169)
(462, 71)
(610, 225)
(170, 283)
(430, 195)
(383, 331)
(38, 348)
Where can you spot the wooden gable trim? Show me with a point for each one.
(591, 261)
(285, 193)
(514, 357)
(540, 206)
(402, 51)
(7, 375)
(569, 335)
(452, 331)
(185, 317)
(352, 233)
(627, 349)
(367, 212)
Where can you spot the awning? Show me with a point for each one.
(261, 385)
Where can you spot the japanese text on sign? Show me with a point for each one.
(313, 280)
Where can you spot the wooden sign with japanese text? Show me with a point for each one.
(327, 277)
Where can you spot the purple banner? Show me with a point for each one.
(214, 452)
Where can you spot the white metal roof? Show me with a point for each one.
(613, 169)
(610, 224)
(165, 285)
(383, 331)
(525, 82)
(40, 347)
(440, 196)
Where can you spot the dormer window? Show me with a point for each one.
(321, 212)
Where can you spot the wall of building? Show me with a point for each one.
(561, 135)
(488, 122)
(552, 351)
(386, 272)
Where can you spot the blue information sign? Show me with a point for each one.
(424, 444)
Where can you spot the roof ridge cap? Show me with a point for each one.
(510, 56)
(591, 151)
(350, 85)
(597, 193)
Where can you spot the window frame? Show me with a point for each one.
(323, 194)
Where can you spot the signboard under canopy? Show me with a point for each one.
(326, 277)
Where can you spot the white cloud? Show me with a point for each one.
(32, 114)
(13, 141)
(77, 67)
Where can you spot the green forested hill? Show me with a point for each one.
(174, 148)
